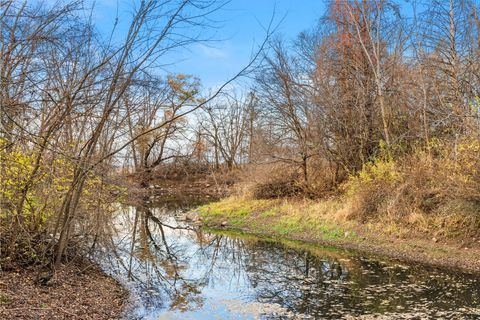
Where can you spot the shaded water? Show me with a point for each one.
(177, 271)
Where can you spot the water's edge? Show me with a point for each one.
(182, 269)
(424, 252)
(373, 250)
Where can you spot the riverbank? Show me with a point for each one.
(324, 222)
(164, 185)
(79, 291)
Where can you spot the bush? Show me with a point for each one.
(435, 190)
(280, 188)
(28, 228)
(269, 182)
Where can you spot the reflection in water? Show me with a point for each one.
(177, 271)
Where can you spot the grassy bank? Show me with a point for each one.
(422, 206)
(279, 216)
(329, 222)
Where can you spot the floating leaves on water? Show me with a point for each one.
(228, 276)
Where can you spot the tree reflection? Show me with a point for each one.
(174, 265)
(141, 251)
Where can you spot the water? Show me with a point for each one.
(177, 271)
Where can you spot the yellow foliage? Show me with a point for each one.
(373, 172)
(43, 187)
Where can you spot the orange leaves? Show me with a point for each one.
(184, 87)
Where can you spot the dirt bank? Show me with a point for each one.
(81, 291)
(297, 221)
(170, 183)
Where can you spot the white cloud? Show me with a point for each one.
(212, 52)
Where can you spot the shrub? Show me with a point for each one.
(427, 190)
(277, 189)
(27, 229)
(267, 181)
(277, 181)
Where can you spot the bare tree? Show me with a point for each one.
(225, 126)
(283, 89)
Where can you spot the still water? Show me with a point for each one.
(175, 270)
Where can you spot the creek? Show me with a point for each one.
(175, 269)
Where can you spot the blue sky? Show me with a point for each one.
(239, 31)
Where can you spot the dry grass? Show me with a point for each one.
(437, 194)
(433, 194)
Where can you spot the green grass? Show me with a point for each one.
(235, 222)
(334, 232)
(269, 213)
(286, 218)
(233, 207)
